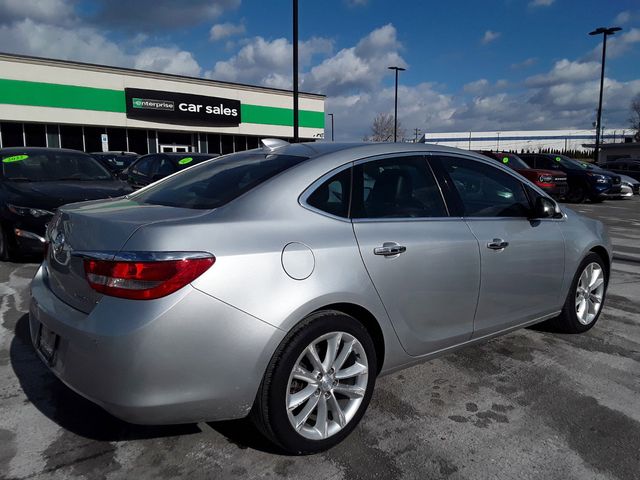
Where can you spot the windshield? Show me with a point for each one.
(568, 163)
(511, 160)
(51, 166)
(212, 184)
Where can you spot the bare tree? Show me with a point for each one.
(382, 128)
(634, 120)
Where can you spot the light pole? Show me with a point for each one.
(296, 122)
(605, 32)
(395, 110)
(331, 115)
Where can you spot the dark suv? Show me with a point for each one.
(624, 166)
(584, 182)
(551, 181)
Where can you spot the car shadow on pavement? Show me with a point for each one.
(244, 435)
(68, 409)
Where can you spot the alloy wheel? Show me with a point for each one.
(589, 293)
(327, 385)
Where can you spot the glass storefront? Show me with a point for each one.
(141, 141)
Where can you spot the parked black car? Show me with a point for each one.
(115, 162)
(154, 166)
(624, 166)
(34, 182)
(584, 181)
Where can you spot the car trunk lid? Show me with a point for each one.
(101, 227)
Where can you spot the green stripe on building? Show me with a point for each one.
(38, 94)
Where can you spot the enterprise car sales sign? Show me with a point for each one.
(181, 108)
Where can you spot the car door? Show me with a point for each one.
(424, 264)
(522, 260)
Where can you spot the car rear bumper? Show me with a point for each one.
(183, 358)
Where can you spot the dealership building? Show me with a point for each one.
(53, 103)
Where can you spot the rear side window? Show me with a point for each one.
(144, 165)
(333, 195)
(402, 187)
(210, 185)
(486, 191)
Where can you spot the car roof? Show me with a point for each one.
(38, 149)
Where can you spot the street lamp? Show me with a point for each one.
(395, 114)
(604, 31)
(296, 121)
(331, 115)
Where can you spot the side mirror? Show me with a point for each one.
(546, 208)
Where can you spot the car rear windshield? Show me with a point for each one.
(212, 184)
(51, 166)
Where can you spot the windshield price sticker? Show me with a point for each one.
(184, 161)
(15, 158)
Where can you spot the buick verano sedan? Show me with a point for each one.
(281, 282)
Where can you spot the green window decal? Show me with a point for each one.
(184, 161)
(15, 158)
(505, 159)
(558, 159)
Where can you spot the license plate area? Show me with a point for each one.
(47, 344)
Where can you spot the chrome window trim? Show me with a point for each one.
(138, 256)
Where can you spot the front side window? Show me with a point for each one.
(401, 187)
(333, 195)
(143, 166)
(486, 191)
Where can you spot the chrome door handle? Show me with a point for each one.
(497, 244)
(389, 249)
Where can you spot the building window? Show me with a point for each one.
(93, 138)
(34, 134)
(53, 136)
(213, 143)
(12, 134)
(253, 142)
(117, 139)
(71, 136)
(227, 144)
(138, 141)
(240, 143)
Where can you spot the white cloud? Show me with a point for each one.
(225, 30)
(529, 62)
(357, 68)
(623, 17)
(267, 62)
(86, 44)
(167, 60)
(489, 36)
(49, 11)
(541, 3)
(565, 71)
(479, 86)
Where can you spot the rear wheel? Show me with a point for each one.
(584, 302)
(318, 384)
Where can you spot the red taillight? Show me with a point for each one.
(143, 280)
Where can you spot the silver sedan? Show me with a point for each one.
(280, 282)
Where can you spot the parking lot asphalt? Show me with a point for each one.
(532, 404)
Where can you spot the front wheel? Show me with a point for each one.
(584, 302)
(318, 384)
(576, 194)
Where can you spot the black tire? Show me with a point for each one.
(595, 199)
(577, 194)
(269, 412)
(567, 321)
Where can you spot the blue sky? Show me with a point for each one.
(494, 64)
